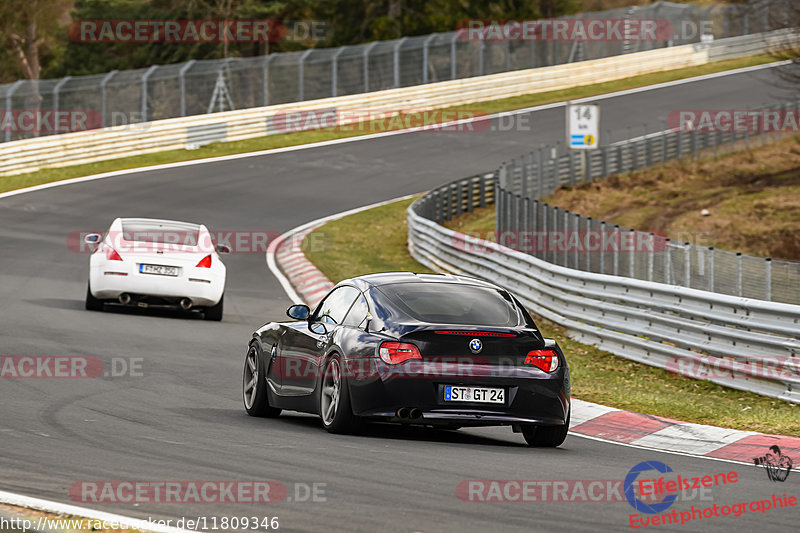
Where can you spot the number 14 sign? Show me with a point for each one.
(583, 125)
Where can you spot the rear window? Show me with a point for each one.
(159, 232)
(450, 303)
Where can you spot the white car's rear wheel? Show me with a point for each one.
(92, 303)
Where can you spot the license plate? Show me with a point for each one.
(474, 394)
(160, 270)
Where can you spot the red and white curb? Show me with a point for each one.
(304, 282)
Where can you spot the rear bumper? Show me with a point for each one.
(110, 286)
(532, 396)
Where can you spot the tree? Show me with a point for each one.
(30, 28)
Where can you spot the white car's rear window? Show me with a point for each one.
(161, 232)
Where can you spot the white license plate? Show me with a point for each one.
(474, 394)
(161, 270)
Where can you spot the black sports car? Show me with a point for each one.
(425, 349)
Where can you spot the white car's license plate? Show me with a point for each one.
(474, 394)
(161, 270)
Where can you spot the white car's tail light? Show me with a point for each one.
(205, 262)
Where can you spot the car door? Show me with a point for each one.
(301, 349)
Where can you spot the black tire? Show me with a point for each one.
(214, 312)
(546, 436)
(92, 303)
(341, 420)
(256, 400)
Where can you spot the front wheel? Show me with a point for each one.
(546, 436)
(254, 386)
(334, 400)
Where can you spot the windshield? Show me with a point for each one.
(161, 232)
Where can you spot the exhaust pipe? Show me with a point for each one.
(403, 413)
(186, 304)
(415, 413)
(124, 298)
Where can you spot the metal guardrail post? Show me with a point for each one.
(711, 268)
(738, 273)
(301, 75)
(453, 55)
(145, 77)
(425, 52)
(687, 264)
(103, 96)
(603, 240)
(768, 279)
(367, 49)
(56, 91)
(9, 104)
(182, 84)
(651, 257)
(667, 262)
(565, 241)
(632, 253)
(396, 61)
(615, 256)
(265, 77)
(335, 71)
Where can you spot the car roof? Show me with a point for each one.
(387, 278)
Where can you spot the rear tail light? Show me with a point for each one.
(112, 255)
(546, 360)
(394, 353)
(205, 262)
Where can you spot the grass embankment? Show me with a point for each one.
(597, 376)
(8, 183)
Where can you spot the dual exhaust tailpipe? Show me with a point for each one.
(409, 413)
(185, 303)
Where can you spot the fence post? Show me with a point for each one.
(56, 90)
(553, 232)
(578, 241)
(265, 77)
(711, 268)
(425, 52)
(616, 249)
(544, 209)
(396, 61)
(651, 256)
(481, 50)
(668, 262)
(335, 71)
(768, 279)
(687, 264)
(738, 273)
(103, 97)
(603, 246)
(632, 254)
(367, 49)
(182, 84)
(301, 75)
(540, 172)
(145, 76)
(453, 55)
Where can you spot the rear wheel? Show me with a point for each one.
(334, 400)
(214, 312)
(254, 386)
(545, 436)
(92, 303)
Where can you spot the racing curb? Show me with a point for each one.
(588, 419)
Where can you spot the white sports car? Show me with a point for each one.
(147, 262)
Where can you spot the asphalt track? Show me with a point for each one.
(183, 418)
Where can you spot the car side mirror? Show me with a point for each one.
(92, 238)
(299, 312)
(318, 327)
(223, 249)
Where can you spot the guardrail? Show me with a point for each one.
(737, 342)
(29, 155)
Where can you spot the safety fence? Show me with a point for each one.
(126, 97)
(742, 343)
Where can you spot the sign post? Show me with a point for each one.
(583, 130)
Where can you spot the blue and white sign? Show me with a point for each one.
(583, 126)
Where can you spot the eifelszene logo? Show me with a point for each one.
(777, 464)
